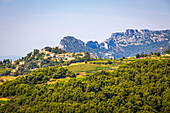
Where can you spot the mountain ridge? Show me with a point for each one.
(121, 43)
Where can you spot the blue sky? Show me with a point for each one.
(29, 24)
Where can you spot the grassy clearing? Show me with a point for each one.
(77, 63)
(86, 67)
(7, 78)
(166, 57)
(3, 100)
(83, 68)
(52, 80)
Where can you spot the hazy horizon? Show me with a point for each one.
(13, 58)
(28, 25)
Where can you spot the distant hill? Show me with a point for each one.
(13, 58)
(127, 43)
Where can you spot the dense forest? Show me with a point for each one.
(142, 85)
(17, 87)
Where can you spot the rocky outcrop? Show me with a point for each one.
(127, 43)
(72, 44)
(93, 45)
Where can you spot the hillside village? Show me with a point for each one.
(58, 57)
(45, 57)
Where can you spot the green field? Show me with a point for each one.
(90, 68)
(3, 102)
(86, 67)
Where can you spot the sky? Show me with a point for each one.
(26, 25)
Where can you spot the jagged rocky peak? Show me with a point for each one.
(65, 40)
(126, 33)
(109, 43)
(69, 41)
(131, 31)
(72, 44)
(144, 31)
(114, 36)
(69, 38)
(92, 44)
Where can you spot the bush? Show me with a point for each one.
(137, 56)
(167, 51)
(121, 59)
(109, 62)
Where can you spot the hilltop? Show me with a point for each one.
(39, 59)
(126, 44)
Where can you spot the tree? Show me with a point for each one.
(109, 62)
(151, 53)
(48, 48)
(29, 54)
(87, 55)
(4, 61)
(114, 58)
(157, 54)
(121, 59)
(7, 60)
(56, 50)
(36, 51)
(167, 51)
(79, 54)
(15, 73)
(61, 60)
(137, 56)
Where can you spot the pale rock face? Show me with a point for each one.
(106, 45)
(127, 43)
(61, 46)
